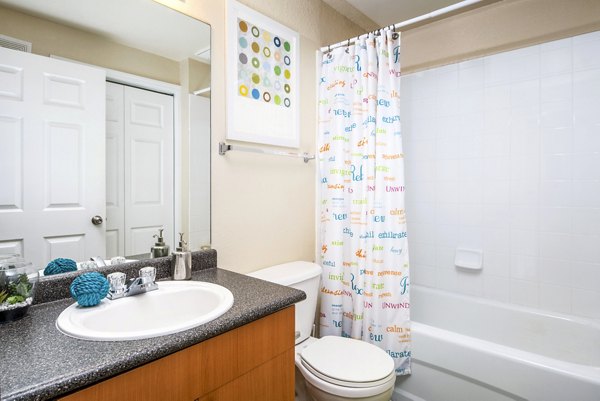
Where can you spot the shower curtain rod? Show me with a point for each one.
(411, 21)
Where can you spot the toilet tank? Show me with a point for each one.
(303, 276)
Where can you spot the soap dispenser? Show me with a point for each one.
(159, 249)
(182, 261)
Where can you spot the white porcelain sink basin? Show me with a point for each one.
(174, 307)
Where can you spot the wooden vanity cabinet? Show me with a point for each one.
(254, 362)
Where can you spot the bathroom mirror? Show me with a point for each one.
(152, 166)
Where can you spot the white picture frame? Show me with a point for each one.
(262, 69)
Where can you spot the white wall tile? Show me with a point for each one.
(525, 67)
(471, 74)
(525, 95)
(470, 283)
(503, 155)
(524, 267)
(524, 217)
(585, 275)
(557, 114)
(585, 303)
(470, 215)
(496, 168)
(422, 254)
(444, 258)
(554, 271)
(586, 166)
(585, 248)
(497, 263)
(422, 275)
(496, 239)
(524, 242)
(556, 140)
(556, 219)
(586, 84)
(524, 293)
(586, 138)
(586, 55)
(496, 145)
(586, 221)
(556, 88)
(556, 193)
(447, 279)
(496, 215)
(497, 121)
(556, 60)
(554, 298)
(470, 191)
(556, 167)
(497, 69)
(470, 169)
(586, 193)
(496, 288)
(556, 246)
(446, 213)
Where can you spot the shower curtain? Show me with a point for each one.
(363, 239)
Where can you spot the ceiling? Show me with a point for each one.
(172, 35)
(387, 12)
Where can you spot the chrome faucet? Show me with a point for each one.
(144, 283)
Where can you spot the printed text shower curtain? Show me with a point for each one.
(364, 250)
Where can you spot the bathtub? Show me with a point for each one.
(467, 348)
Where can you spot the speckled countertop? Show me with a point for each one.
(37, 362)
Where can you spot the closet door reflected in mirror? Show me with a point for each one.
(139, 137)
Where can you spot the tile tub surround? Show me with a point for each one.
(503, 155)
(52, 364)
(53, 288)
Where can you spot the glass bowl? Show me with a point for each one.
(17, 286)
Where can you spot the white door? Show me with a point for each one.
(52, 151)
(139, 169)
(115, 170)
(148, 128)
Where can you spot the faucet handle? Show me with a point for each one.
(116, 282)
(148, 274)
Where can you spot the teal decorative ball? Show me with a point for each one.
(89, 289)
(60, 265)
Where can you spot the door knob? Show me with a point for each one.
(97, 220)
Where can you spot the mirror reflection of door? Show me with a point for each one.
(52, 150)
(139, 168)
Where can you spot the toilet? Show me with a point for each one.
(366, 372)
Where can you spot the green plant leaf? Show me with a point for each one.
(3, 296)
(15, 299)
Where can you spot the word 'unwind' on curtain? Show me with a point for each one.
(364, 249)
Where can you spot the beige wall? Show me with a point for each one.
(51, 38)
(263, 206)
(500, 26)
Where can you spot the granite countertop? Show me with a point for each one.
(37, 362)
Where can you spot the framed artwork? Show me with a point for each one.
(262, 79)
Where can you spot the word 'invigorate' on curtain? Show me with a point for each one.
(363, 239)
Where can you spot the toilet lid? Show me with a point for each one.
(347, 362)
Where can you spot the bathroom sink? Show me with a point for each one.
(174, 307)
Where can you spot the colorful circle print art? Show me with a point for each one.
(264, 65)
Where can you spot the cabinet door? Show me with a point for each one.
(253, 362)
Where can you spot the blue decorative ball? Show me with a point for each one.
(89, 289)
(60, 265)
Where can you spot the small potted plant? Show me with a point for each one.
(17, 285)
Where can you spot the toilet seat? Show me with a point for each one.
(366, 371)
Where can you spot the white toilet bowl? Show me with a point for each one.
(336, 369)
(333, 368)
